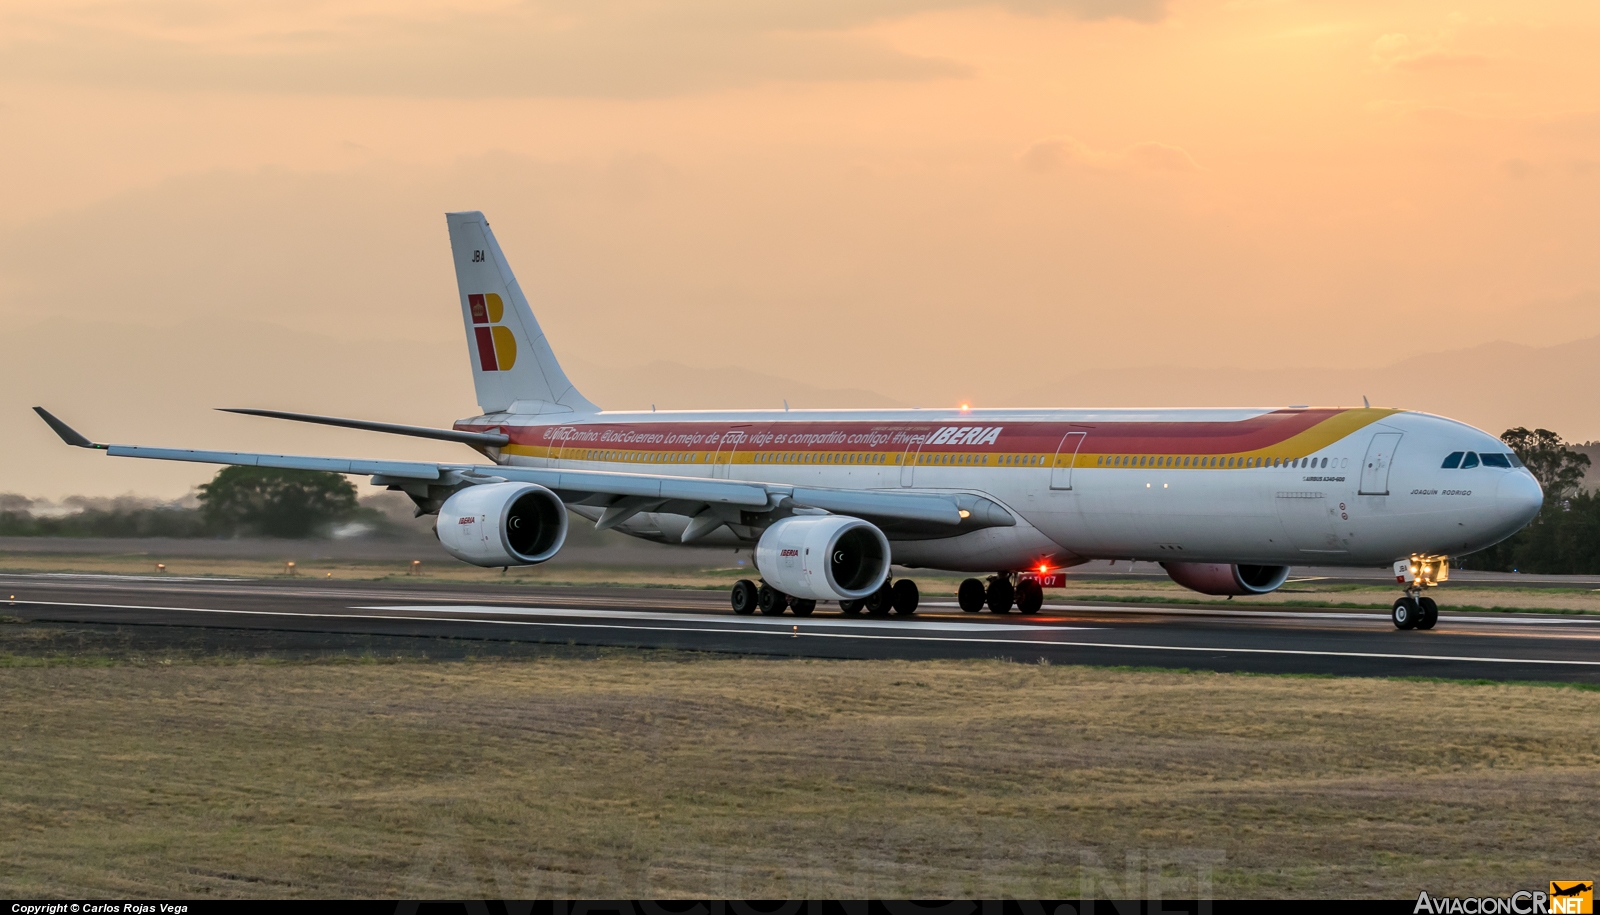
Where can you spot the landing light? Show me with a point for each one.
(965, 407)
(963, 513)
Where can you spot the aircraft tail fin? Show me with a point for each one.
(513, 367)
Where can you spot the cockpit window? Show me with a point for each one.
(1515, 461)
(1496, 460)
(1471, 461)
(1453, 461)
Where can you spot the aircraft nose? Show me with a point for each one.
(1519, 498)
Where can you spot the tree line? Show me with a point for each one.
(239, 501)
(1565, 537)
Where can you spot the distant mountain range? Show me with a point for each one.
(158, 384)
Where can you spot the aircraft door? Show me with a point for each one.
(727, 447)
(1375, 468)
(558, 450)
(1066, 456)
(908, 461)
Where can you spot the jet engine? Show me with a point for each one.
(823, 557)
(1223, 578)
(502, 524)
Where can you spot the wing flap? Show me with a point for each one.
(639, 484)
(412, 470)
(908, 506)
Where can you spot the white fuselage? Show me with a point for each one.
(1298, 486)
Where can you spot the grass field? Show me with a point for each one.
(136, 770)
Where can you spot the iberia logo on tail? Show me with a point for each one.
(497, 348)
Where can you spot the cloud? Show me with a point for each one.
(1060, 153)
(560, 48)
(1161, 157)
(1396, 51)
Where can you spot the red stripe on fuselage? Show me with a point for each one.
(1138, 437)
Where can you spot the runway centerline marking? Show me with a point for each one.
(899, 623)
(881, 636)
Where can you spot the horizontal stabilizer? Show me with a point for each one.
(489, 439)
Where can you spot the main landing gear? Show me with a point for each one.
(901, 598)
(1415, 611)
(1000, 595)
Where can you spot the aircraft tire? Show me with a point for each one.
(744, 597)
(850, 607)
(1405, 613)
(970, 595)
(906, 597)
(801, 607)
(1000, 595)
(1430, 613)
(1030, 597)
(771, 601)
(881, 601)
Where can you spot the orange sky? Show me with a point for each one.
(931, 199)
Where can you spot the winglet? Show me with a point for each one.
(68, 434)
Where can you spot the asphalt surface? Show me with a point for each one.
(1357, 643)
(1460, 579)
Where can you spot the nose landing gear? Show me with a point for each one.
(1415, 611)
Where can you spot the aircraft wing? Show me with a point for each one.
(684, 495)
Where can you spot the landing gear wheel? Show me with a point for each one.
(970, 595)
(744, 597)
(881, 601)
(1405, 614)
(1430, 613)
(1000, 595)
(850, 607)
(771, 601)
(801, 607)
(1030, 597)
(906, 597)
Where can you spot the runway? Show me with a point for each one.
(1352, 643)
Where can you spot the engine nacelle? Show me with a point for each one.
(823, 557)
(502, 524)
(1223, 578)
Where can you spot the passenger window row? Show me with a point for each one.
(1466, 460)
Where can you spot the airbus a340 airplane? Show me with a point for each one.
(1226, 500)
